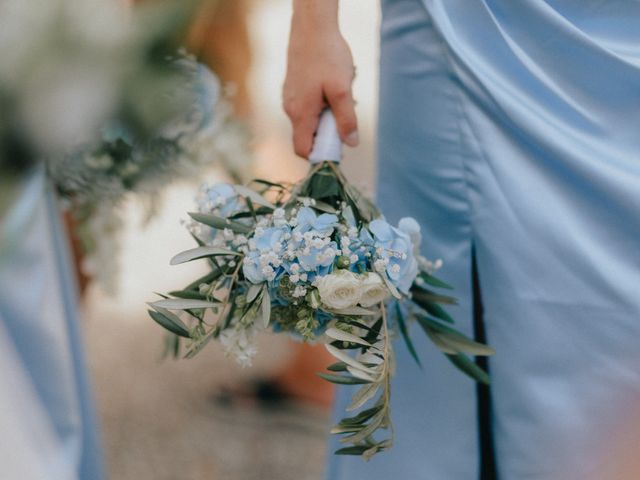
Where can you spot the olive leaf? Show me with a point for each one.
(171, 322)
(341, 335)
(219, 222)
(254, 196)
(184, 304)
(200, 252)
(342, 379)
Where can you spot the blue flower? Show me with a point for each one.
(224, 199)
(318, 260)
(269, 237)
(251, 267)
(307, 221)
(398, 249)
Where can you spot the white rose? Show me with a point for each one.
(340, 289)
(374, 290)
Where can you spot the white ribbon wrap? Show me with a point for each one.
(327, 144)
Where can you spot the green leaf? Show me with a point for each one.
(361, 417)
(363, 395)
(200, 252)
(433, 281)
(188, 294)
(208, 278)
(343, 336)
(390, 286)
(451, 340)
(268, 183)
(470, 368)
(337, 367)
(171, 323)
(255, 197)
(324, 207)
(434, 309)
(353, 450)
(266, 307)
(219, 223)
(253, 292)
(374, 424)
(405, 334)
(251, 213)
(184, 304)
(342, 379)
(426, 295)
(340, 429)
(352, 362)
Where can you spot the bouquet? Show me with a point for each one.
(316, 260)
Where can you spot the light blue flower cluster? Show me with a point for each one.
(305, 245)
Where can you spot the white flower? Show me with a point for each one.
(340, 289)
(374, 290)
(240, 343)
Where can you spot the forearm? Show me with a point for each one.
(315, 15)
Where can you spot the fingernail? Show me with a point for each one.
(352, 139)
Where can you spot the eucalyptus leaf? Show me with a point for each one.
(200, 252)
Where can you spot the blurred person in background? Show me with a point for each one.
(509, 130)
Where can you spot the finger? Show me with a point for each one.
(303, 112)
(304, 129)
(341, 101)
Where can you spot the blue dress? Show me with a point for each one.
(47, 420)
(509, 128)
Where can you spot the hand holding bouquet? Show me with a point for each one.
(316, 260)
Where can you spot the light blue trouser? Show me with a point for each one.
(511, 127)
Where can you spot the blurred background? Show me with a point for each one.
(199, 419)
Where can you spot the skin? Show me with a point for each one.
(320, 72)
